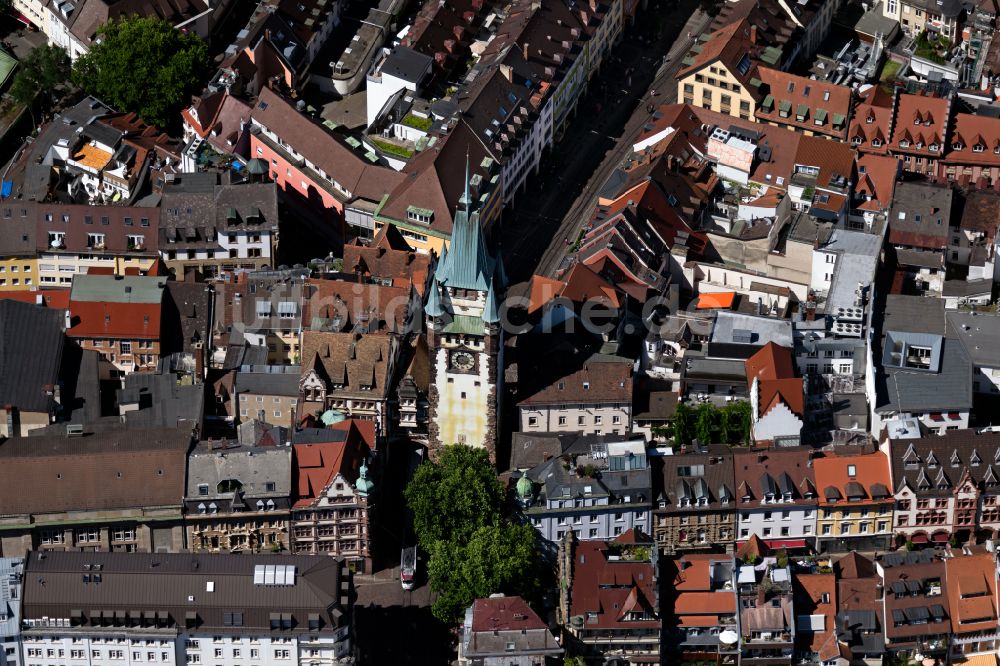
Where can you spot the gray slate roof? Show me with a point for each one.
(31, 344)
(979, 334)
(905, 389)
(118, 289)
(762, 329)
(253, 466)
(926, 463)
(162, 582)
(406, 64)
(269, 380)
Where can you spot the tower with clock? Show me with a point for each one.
(464, 337)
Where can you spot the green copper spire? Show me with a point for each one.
(467, 264)
(433, 307)
(491, 313)
(364, 484)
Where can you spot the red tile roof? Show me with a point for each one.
(972, 132)
(871, 126)
(972, 587)
(774, 370)
(611, 588)
(772, 361)
(504, 614)
(316, 465)
(388, 256)
(727, 45)
(383, 308)
(809, 592)
(870, 469)
(921, 120)
(115, 320)
(815, 95)
(876, 178)
(51, 298)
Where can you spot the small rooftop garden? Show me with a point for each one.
(416, 122)
(393, 149)
(931, 48)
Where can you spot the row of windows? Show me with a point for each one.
(580, 420)
(807, 530)
(66, 218)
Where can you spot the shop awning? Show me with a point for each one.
(785, 543)
(919, 538)
(940, 537)
(718, 299)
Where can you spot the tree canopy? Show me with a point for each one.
(455, 496)
(143, 65)
(42, 69)
(729, 424)
(458, 516)
(496, 558)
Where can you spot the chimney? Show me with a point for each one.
(753, 34)
(761, 596)
(69, 320)
(524, 48)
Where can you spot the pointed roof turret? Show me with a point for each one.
(364, 484)
(434, 307)
(467, 265)
(491, 312)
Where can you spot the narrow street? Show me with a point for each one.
(553, 206)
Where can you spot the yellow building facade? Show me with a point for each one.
(18, 273)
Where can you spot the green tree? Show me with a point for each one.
(495, 558)
(575, 661)
(742, 419)
(682, 424)
(455, 496)
(42, 70)
(726, 424)
(143, 65)
(704, 421)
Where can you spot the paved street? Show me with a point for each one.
(396, 627)
(609, 117)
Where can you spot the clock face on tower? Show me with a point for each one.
(462, 360)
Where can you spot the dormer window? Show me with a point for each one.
(869, 120)
(213, 508)
(933, 147)
(856, 141)
(270, 505)
(260, 505)
(852, 471)
(978, 148)
(876, 143)
(958, 145)
(904, 144)
(202, 508)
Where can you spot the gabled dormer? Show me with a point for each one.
(942, 482)
(956, 460)
(974, 459)
(932, 460)
(923, 483)
(911, 460)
